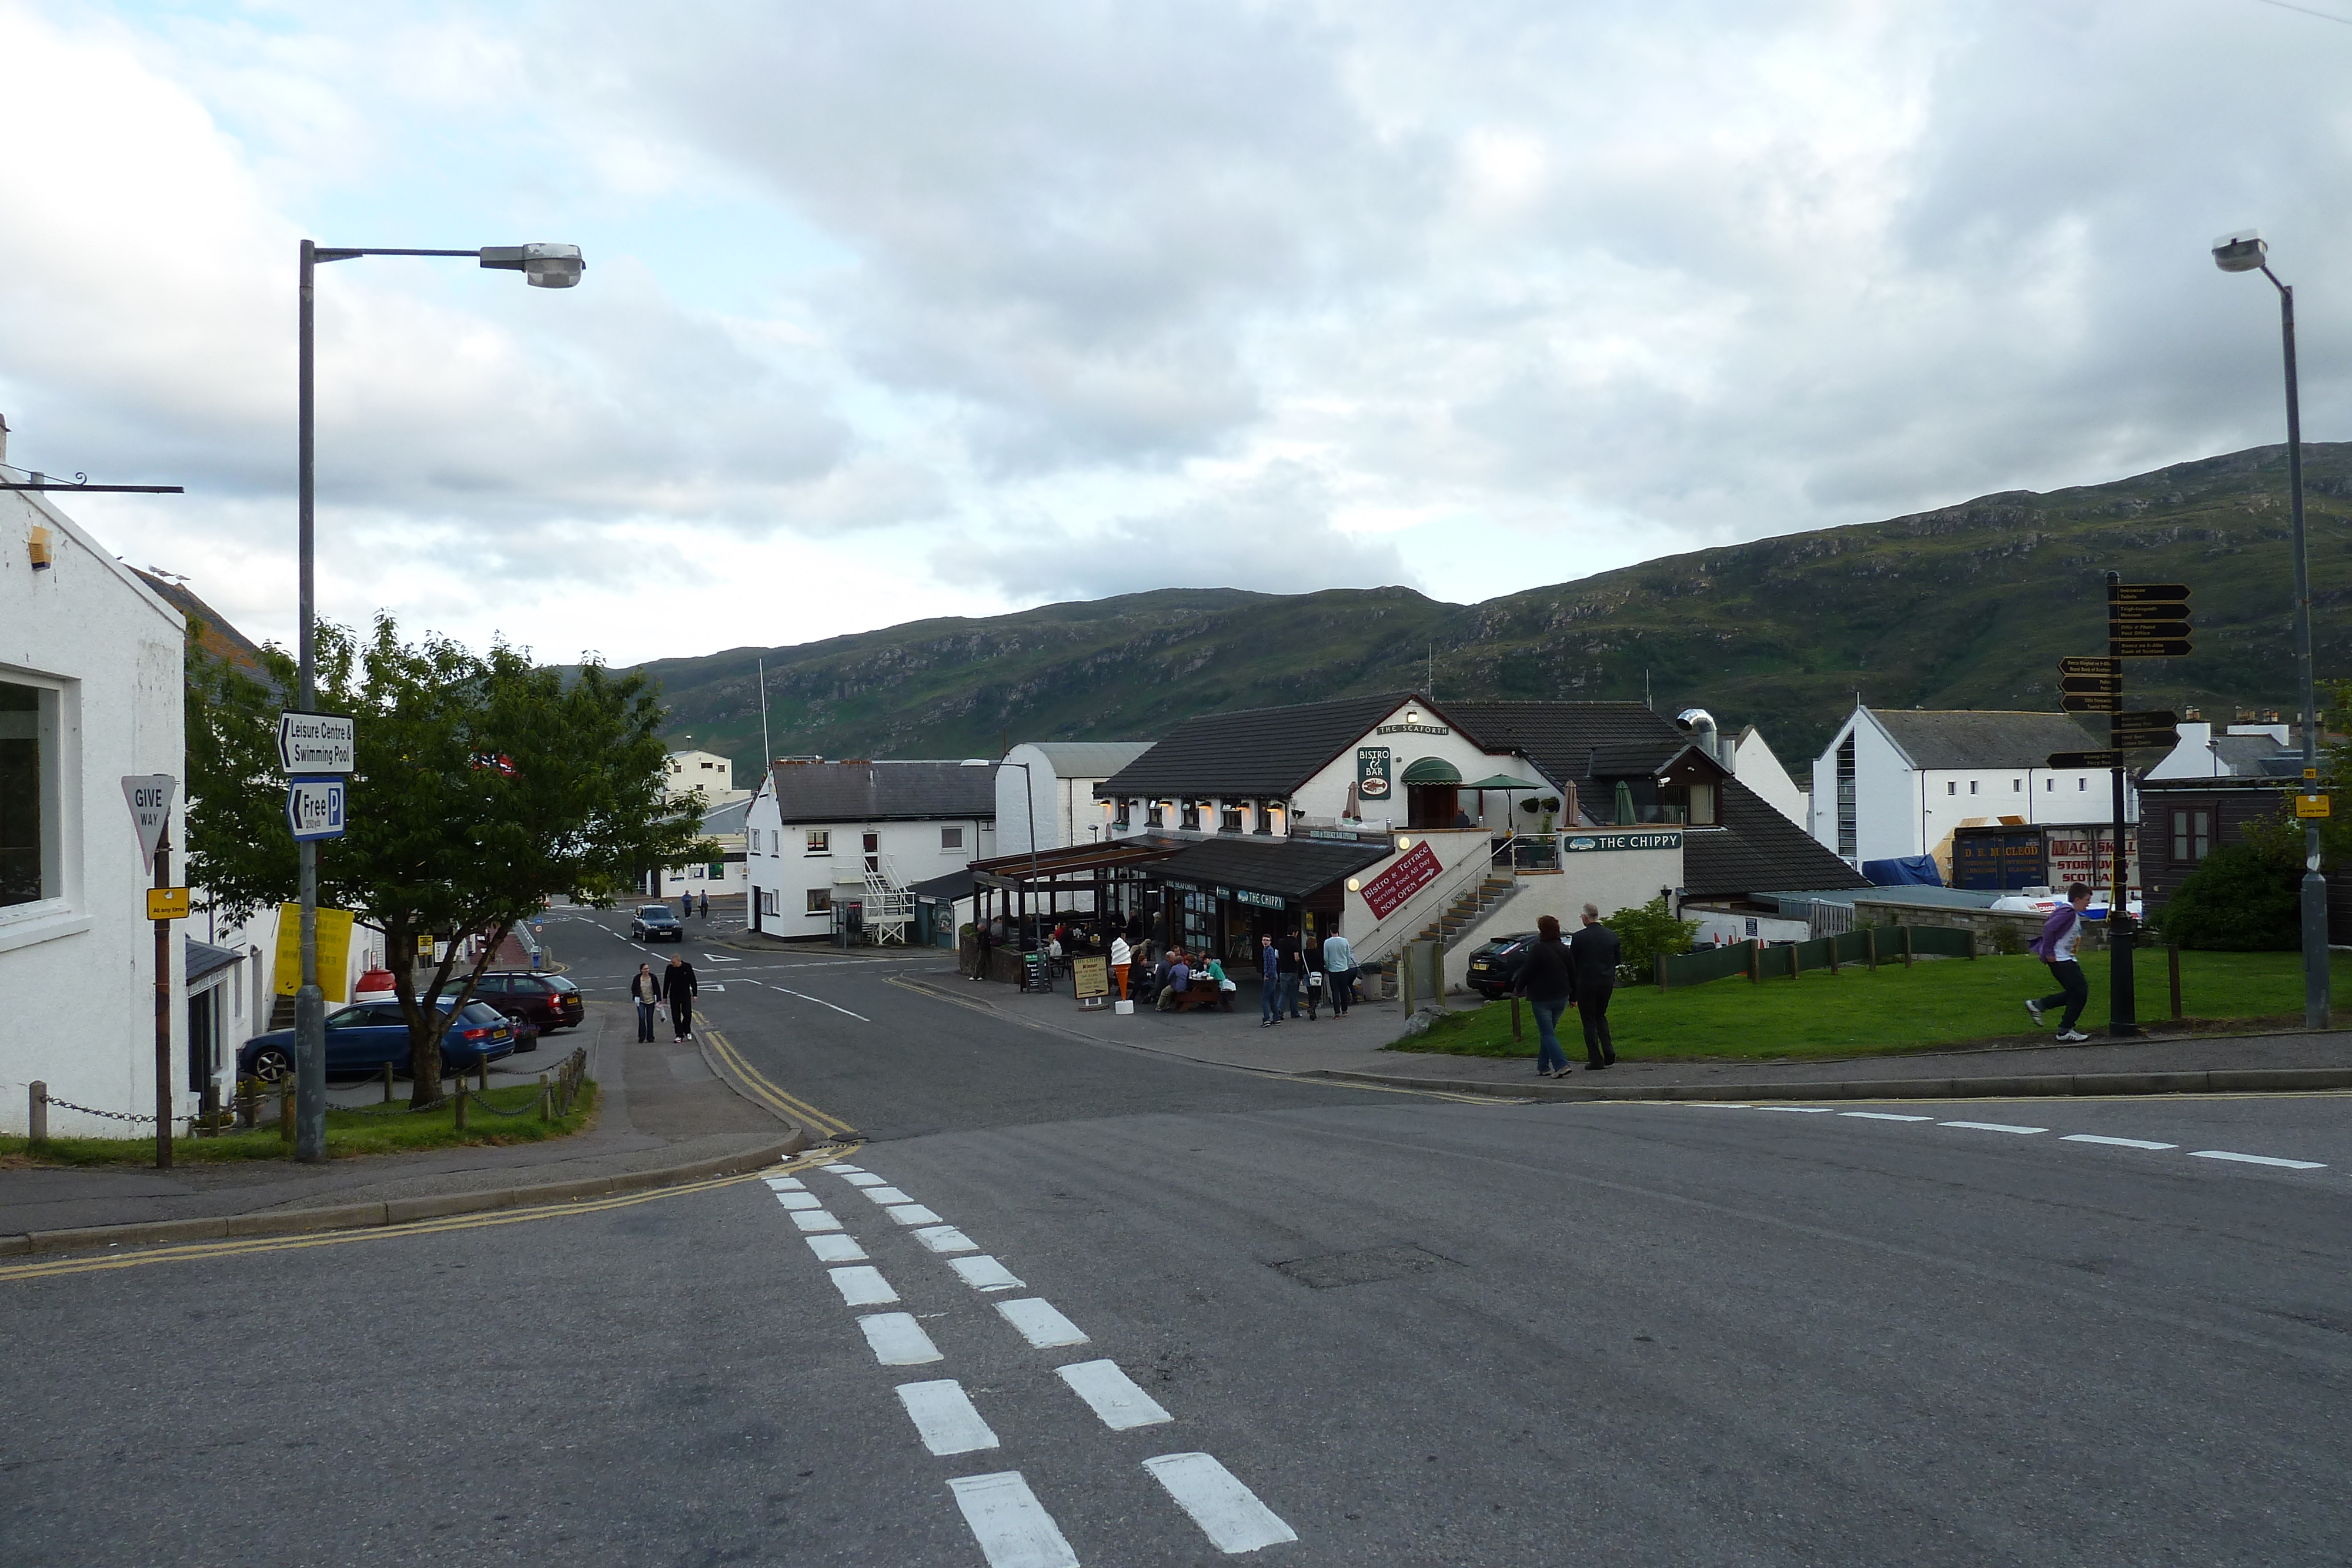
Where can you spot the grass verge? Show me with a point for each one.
(1946, 1002)
(349, 1133)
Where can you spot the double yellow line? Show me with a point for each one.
(758, 1085)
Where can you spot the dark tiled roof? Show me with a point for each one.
(1984, 739)
(204, 959)
(218, 638)
(1756, 849)
(955, 885)
(1286, 868)
(1266, 751)
(883, 791)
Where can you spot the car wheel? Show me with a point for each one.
(271, 1064)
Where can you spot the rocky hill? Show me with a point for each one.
(1966, 606)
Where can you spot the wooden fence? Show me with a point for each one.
(1868, 947)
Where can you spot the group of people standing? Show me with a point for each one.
(1295, 966)
(673, 986)
(1580, 973)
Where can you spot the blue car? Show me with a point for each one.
(364, 1036)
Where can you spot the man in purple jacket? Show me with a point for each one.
(2056, 947)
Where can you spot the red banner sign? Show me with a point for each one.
(1414, 870)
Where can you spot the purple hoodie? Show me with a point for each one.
(2062, 920)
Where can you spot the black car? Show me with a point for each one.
(1495, 967)
(656, 923)
(551, 1001)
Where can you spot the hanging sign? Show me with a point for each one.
(1372, 771)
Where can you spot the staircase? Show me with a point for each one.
(889, 906)
(1468, 909)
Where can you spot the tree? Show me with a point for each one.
(485, 787)
(1644, 934)
(2237, 900)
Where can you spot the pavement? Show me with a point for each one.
(661, 1107)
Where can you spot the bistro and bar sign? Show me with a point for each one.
(1413, 869)
(1576, 843)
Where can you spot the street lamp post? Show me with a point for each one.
(542, 267)
(2246, 252)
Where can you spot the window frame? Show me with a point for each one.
(819, 901)
(819, 842)
(61, 909)
(951, 839)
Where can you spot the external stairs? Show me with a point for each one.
(1468, 909)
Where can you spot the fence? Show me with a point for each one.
(1870, 947)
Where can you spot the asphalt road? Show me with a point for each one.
(1402, 1330)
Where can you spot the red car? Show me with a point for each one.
(551, 1001)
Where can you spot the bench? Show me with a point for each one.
(1201, 993)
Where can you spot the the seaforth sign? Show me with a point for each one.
(1413, 730)
(1587, 842)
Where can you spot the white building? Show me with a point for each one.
(840, 843)
(1897, 782)
(1760, 770)
(723, 874)
(2235, 752)
(91, 692)
(686, 772)
(1060, 776)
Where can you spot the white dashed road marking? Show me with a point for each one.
(861, 1179)
(944, 1417)
(897, 1339)
(1991, 1127)
(1884, 1116)
(820, 1001)
(786, 1184)
(887, 1195)
(800, 1201)
(1798, 1110)
(946, 1239)
(2116, 1142)
(1112, 1394)
(912, 1214)
(836, 1248)
(986, 1274)
(1013, 1528)
(1040, 1324)
(814, 1219)
(1228, 1513)
(2256, 1160)
(863, 1287)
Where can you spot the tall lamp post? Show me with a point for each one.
(542, 267)
(2246, 252)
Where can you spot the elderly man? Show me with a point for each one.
(1593, 955)
(1179, 976)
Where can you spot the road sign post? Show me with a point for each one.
(317, 743)
(149, 796)
(316, 749)
(2145, 621)
(314, 809)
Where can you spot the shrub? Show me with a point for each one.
(2238, 901)
(1645, 933)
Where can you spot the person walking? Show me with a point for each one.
(1547, 983)
(678, 986)
(1121, 957)
(1340, 964)
(2056, 947)
(704, 901)
(1318, 984)
(1290, 966)
(646, 991)
(1593, 955)
(1269, 997)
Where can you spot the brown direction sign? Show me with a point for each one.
(2065, 760)
(2144, 740)
(2153, 718)
(2081, 665)
(2153, 647)
(2140, 592)
(2092, 702)
(2112, 686)
(2151, 609)
(2149, 627)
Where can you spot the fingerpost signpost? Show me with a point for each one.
(2145, 621)
(317, 750)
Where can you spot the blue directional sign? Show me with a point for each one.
(314, 808)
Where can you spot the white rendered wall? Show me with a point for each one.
(786, 869)
(1760, 770)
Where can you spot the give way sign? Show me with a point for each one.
(149, 795)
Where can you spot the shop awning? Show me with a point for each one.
(1431, 770)
(1287, 869)
(1076, 861)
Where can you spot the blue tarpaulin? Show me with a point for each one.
(1909, 871)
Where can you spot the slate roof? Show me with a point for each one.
(204, 959)
(727, 818)
(1266, 751)
(954, 885)
(1090, 758)
(1984, 739)
(1286, 868)
(1754, 849)
(883, 791)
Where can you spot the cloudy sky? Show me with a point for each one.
(907, 307)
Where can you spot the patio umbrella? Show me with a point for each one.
(1506, 783)
(1624, 804)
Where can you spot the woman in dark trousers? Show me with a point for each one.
(1311, 955)
(1544, 982)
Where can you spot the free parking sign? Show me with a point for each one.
(314, 808)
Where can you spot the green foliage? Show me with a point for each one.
(1647, 933)
(360, 1131)
(486, 785)
(2238, 901)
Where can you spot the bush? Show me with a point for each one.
(1647, 933)
(2238, 901)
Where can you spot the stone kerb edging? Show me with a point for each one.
(396, 1210)
(2222, 1081)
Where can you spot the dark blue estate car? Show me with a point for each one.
(364, 1036)
(656, 921)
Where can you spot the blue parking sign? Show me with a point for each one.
(314, 808)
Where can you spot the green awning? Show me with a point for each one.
(1502, 782)
(1431, 770)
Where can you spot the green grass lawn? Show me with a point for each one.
(353, 1132)
(1853, 1012)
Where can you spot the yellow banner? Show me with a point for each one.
(334, 951)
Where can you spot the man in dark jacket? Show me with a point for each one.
(1292, 967)
(1593, 955)
(678, 988)
(1547, 982)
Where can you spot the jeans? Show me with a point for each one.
(2073, 990)
(1343, 990)
(1592, 1007)
(644, 1022)
(1269, 1000)
(1550, 1057)
(1290, 994)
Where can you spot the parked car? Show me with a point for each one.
(656, 922)
(1494, 966)
(364, 1036)
(551, 1001)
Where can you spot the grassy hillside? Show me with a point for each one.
(1968, 606)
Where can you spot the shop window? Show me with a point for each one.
(2192, 835)
(1229, 818)
(951, 838)
(31, 863)
(1691, 805)
(820, 843)
(820, 901)
(1191, 817)
(1156, 814)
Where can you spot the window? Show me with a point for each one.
(718, 870)
(2082, 783)
(951, 838)
(1229, 818)
(1950, 788)
(1192, 819)
(2192, 835)
(1846, 831)
(820, 901)
(1972, 786)
(1121, 810)
(31, 866)
(820, 843)
(2048, 784)
(2017, 785)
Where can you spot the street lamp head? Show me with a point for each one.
(542, 266)
(2240, 252)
